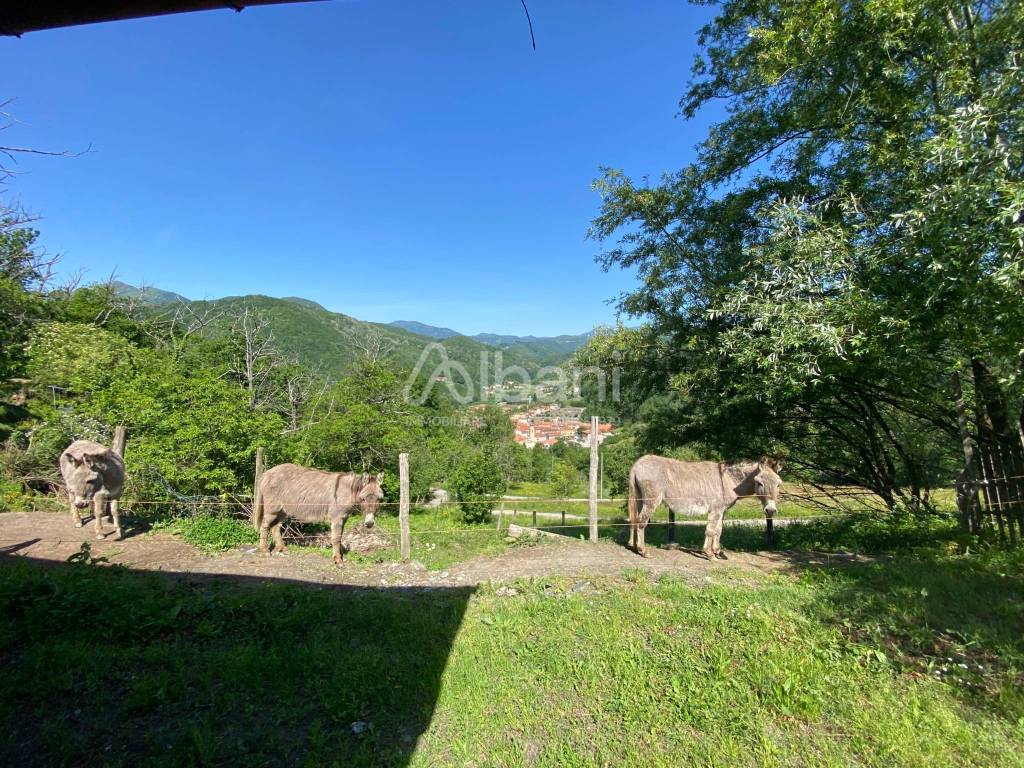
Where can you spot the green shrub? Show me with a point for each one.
(477, 479)
(12, 497)
(213, 533)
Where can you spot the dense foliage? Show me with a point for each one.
(838, 274)
(199, 392)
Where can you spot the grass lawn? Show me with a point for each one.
(440, 537)
(789, 507)
(909, 661)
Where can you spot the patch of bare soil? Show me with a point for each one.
(51, 536)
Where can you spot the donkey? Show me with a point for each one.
(698, 487)
(313, 496)
(93, 474)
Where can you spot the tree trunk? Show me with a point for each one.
(967, 483)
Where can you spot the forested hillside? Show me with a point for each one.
(201, 385)
(329, 342)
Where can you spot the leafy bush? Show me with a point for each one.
(565, 479)
(474, 481)
(12, 497)
(213, 533)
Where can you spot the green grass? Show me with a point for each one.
(859, 665)
(744, 508)
(852, 533)
(211, 533)
(439, 536)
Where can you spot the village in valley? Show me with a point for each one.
(547, 424)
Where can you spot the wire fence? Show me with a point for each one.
(542, 512)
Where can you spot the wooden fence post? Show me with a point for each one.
(403, 503)
(256, 484)
(593, 478)
(120, 438)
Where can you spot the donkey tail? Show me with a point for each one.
(634, 491)
(257, 510)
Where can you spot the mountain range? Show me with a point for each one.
(548, 350)
(330, 341)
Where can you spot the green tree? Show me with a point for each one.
(848, 236)
(475, 483)
(22, 273)
(542, 463)
(191, 431)
(76, 356)
(565, 479)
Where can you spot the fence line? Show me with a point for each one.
(246, 500)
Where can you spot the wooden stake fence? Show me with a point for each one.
(120, 438)
(256, 483)
(593, 478)
(403, 504)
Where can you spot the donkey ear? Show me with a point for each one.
(380, 478)
(75, 453)
(364, 478)
(772, 463)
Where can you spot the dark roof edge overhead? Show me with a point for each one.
(20, 16)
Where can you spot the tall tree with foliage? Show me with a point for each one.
(842, 259)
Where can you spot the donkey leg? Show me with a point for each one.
(719, 552)
(115, 514)
(713, 534)
(268, 520)
(279, 546)
(76, 517)
(641, 525)
(337, 528)
(98, 505)
(709, 533)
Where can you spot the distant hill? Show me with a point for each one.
(431, 331)
(305, 303)
(543, 350)
(147, 294)
(329, 341)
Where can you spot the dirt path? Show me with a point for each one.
(50, 536)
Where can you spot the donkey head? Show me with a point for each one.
(82, 476)
(768, 484)
(370, 496)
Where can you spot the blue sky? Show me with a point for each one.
(391, 160)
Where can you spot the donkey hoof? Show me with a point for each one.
(721, 555)
(79, 524)
(338, 560)
(709, 554)
(118, 536)
(100, 536)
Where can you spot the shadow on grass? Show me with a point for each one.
(108, 666)
(954, 618)
(865, 533)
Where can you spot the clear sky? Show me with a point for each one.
(411, 160)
